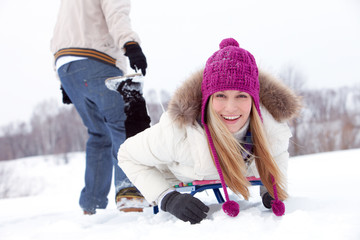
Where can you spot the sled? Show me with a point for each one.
(114, 83)
(131, 89)
(201, 185)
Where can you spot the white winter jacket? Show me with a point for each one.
(176, 149)
(100, 25)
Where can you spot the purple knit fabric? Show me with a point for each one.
(277, 206)
(231, 68)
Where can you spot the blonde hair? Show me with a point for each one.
(231, 161)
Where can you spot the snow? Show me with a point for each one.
(323, 204)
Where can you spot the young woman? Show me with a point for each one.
(215, 128)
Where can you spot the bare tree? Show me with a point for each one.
(52, 130)
(328, 121)
(155, 105)
(294, 80)
(44, 126)
(350, 120)
(14, 141)
(72, 132)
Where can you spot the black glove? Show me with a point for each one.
(65, 97)
(184, 206)
(267, 199)
(136, 57)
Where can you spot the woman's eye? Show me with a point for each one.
(219, 95)
(242, 96)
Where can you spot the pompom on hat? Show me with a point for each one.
(232, 68)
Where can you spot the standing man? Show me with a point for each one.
(90, 40)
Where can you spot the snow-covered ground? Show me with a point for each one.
(323, 204)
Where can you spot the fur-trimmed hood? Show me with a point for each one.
(185, 105)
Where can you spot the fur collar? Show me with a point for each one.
(185, 105)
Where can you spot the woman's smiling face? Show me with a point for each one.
(233, 108)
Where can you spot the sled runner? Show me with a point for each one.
(199, 186)
(114, 83)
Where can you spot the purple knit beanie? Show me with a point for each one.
(231, 68)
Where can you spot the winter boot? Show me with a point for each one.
(130, 200)
(88, 213)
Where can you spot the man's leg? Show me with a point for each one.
(84, 83)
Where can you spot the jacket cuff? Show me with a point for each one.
(162, 195)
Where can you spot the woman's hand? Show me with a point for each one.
(185, 207)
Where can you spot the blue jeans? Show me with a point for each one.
(102, 112)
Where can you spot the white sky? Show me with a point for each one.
(319, 38)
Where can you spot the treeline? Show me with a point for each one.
(51, 130)
(55, 129)
(330, 121)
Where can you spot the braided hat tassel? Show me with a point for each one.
(277, 206)
(231, 208)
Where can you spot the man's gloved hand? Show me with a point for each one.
(136, 57)
(184, 206)
(65, 97)
(267, 199)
